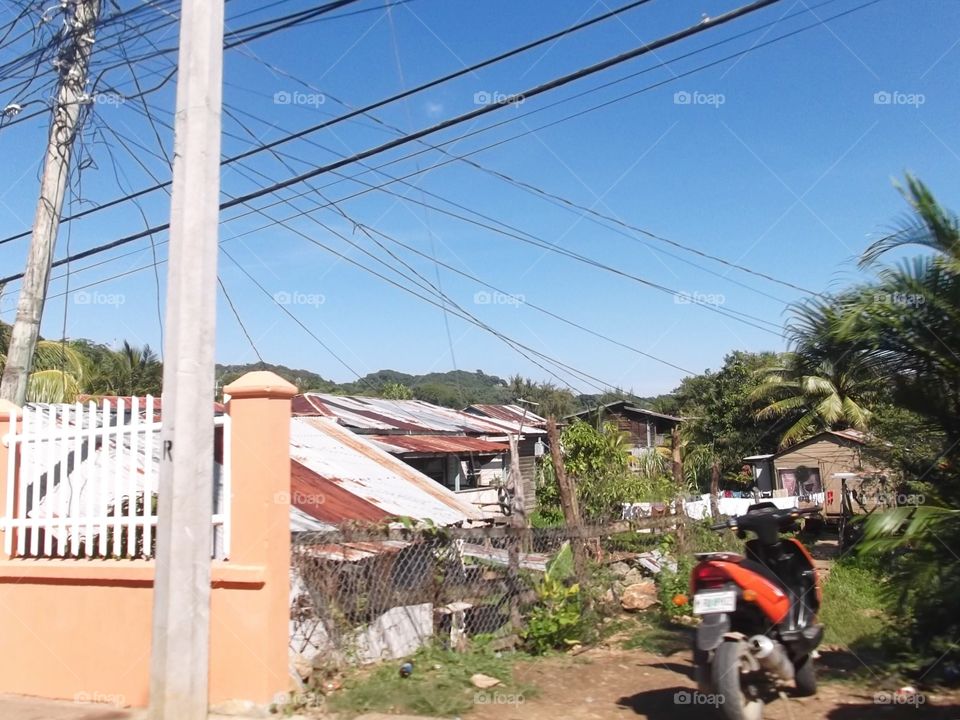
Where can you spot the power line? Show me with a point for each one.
(386, 101)
(479, 112)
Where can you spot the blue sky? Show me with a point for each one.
(782, 161)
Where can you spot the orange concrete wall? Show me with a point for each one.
(81, 629)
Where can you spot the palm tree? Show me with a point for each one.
(58, 370)
(929, 225)
(827, 382)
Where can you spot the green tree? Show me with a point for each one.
(58, 370)
(396, 391)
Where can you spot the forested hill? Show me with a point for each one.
(456, 388)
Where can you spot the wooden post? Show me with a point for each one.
(179, 669)
(677, 467)
(714, 488)
(518, 514)
(568, 497)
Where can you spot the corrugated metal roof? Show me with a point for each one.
(850, 434)
(381, 416)
(399, 444)
(371, 474)
(324, 500)
(356, 551)
(513, 414)
(625, 404)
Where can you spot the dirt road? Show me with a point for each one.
(607, 684)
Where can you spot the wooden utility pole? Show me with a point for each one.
(568, 496)
(72, 63)
(677, 467)
(714, 488)
(181, 606)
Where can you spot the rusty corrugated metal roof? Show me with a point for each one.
(325, 500)
(373, 475)
(399, 444)
(387, 417)
(513, 414)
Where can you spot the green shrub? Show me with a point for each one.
(557, 619)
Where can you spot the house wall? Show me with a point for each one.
(81, 629)
(829, 455)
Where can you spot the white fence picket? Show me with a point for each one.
(148, 517)
(78, 425)
(79, 466)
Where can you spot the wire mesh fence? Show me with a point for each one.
(362, 595)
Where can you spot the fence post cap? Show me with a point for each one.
(260, 384)
(7, 407)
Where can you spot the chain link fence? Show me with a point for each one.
(362, 595)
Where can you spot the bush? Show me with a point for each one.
(557, 619)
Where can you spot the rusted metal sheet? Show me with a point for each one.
(371, 474)
(400, 444)
(355, 552)
(512, 414)
(326, 501)
(403, 417)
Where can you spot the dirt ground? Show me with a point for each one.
(604, 684)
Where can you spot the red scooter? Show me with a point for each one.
(758, 613)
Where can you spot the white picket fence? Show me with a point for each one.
(87, 480)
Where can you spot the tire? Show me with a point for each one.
(736, 701)
(806, 677)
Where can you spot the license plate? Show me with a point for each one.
(714, 602)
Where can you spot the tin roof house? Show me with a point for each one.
(466, 452)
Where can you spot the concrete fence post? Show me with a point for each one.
(259, 409)
(6, 407)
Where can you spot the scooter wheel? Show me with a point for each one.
(738, 698)
(806, 677)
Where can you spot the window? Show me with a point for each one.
(800, 481)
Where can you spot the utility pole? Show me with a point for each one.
(73, 64)
(677, 468)
(568, 498)
(179, 664)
